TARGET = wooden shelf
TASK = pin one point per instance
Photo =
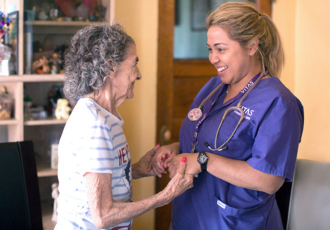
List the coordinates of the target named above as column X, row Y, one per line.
column 45, row 172
column 48, row 121
column 61, row 23
column 43, row 132
column 9, row 122
column 47, row 213
column 33, row 78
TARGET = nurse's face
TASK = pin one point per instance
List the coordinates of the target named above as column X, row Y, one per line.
column 232, row 61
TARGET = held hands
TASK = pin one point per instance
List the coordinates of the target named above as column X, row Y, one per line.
column 140, row 169
column 158, row 161
column 179, row 183
column 193, row 167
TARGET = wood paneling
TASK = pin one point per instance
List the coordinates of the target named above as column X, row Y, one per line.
column 164, row 92
column 193, row 68
column 265, row 6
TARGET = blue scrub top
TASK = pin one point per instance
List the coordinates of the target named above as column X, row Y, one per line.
column 267, row 139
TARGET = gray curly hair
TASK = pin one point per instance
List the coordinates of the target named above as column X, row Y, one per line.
column 86, row 61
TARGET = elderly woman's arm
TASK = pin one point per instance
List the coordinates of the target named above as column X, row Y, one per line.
column 107, row 213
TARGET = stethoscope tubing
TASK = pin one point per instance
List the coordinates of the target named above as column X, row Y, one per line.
column 237, row 107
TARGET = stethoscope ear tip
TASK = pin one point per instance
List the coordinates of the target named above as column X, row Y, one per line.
column 206, row 144
column 218, row 149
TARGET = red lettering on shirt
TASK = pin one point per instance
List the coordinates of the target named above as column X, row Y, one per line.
column 123, row 155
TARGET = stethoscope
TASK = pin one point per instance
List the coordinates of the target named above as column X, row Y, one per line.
column 196, row 113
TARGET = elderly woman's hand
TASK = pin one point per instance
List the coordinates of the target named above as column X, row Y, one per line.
column 179, row 183
column 193, row 167
column 157, row 163
column 140, row 169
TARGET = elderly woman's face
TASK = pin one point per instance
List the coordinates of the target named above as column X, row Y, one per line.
column 126, row 73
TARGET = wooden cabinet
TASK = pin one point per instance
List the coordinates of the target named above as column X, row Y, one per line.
column 46, row 131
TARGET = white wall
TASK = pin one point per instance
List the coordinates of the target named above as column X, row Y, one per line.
column 140, row 20
column 305, row 28
column 313, row 75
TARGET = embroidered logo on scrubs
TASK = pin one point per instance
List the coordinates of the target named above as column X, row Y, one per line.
column 248, row 112
column 247, row 87
column 222, row 205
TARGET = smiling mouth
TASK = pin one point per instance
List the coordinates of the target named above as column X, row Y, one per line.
column 221, row 69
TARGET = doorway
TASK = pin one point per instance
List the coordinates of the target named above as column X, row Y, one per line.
column 179, row 78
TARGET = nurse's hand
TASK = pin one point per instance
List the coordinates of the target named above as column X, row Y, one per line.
column 157, row 162
column 192, row 168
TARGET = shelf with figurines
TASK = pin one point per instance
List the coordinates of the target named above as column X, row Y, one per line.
column 6, row 107
column 38, row 116
column 66, row 10
column 45, row 60
column 66, row 13
column 53, row 109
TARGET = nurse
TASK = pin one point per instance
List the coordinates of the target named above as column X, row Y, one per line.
column 242, row 131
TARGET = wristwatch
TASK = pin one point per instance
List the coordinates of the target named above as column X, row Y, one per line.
column 202, row 160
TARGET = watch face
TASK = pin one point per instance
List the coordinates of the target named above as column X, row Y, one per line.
column 202, row 158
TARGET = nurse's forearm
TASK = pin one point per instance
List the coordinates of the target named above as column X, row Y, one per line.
column 241, row 174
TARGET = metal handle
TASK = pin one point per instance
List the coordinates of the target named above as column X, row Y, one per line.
column 165, row 135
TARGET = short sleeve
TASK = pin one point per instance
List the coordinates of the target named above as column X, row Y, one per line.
column 276, row 143
column 96, row 153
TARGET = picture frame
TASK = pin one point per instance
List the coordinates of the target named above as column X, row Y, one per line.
column 177, row 13
column 199, row 11
column 12, row 38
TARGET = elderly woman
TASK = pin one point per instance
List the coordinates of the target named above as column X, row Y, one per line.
column 95, row 171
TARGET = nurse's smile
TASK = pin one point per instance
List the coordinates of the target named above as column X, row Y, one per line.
column 222, row 70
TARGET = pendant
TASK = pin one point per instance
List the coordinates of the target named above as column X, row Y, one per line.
column 195, row 114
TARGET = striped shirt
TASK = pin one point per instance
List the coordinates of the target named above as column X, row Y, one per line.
column 92, row 141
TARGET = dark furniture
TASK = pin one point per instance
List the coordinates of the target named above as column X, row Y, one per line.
column 20, row 206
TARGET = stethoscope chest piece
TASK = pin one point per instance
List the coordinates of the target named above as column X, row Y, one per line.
column 195, row 114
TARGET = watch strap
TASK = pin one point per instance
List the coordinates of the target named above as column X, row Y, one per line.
column 203, row 167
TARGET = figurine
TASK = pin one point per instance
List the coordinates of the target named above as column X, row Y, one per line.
column 41, row 66
column 55, row 194
column 54, row 69
column 62, row 109
column 56, row 63
column 6, row 103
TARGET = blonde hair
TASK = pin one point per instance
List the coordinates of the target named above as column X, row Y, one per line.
column 243, row 23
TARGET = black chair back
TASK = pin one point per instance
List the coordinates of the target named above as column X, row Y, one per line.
column 283, row 196
column 20, row 206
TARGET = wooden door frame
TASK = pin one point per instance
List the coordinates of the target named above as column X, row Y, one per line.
column 165, row 55
column 164, row 89
column 165, row 78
